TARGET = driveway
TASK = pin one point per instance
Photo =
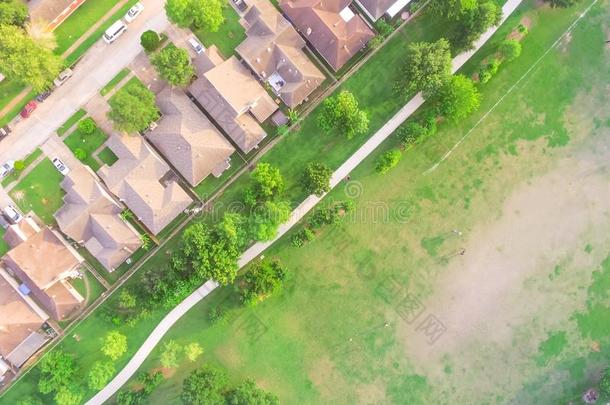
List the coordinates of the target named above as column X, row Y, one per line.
column 99, row 65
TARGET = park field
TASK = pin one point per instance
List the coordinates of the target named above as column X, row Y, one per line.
column 525, row 311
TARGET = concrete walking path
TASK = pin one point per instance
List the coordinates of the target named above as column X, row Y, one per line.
column 299, row 212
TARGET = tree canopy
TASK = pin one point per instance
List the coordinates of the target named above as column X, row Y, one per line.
column 452, row 9
column 56, row 370
column 174, row 65
column 428, row 67
column 101, row 372
column 114, row 344
column 266, row 218
column 316, row 179
column 133, row 108
column 150, row 40
column 458, row 98
column 205, row 386
column 388, row 161
column 203, row 14
column 262, row 280
column 24, row 60
column 248, row 393
column 342, row 114
column 474, row 22
column 268, row 184
column 13, row 12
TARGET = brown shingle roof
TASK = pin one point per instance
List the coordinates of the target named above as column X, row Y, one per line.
column 273, row 46
column 18, row 320
column 144, row 182
column 90, row 216
column 376, row 8
column 188, row 139
column 334, row 38
column 229, row 93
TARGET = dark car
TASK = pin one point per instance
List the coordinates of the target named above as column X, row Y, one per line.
column 29, row 109
column 43, row 96
column 4, row 131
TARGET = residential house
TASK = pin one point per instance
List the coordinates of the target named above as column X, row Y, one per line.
column 274, row 51
column 91, row 217
column 332, row 28
column 187, row 138
column 234, row 99
column 44, row 263
column 144, row 182
column 375, row 9
column 20, row 325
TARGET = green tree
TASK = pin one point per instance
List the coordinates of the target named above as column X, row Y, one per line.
column 268, row 184
column 388, row 161
column 452, row 9
column 428, row 67
column 342, row 113
column 458, row 98
column 169, row 357
column 114, row 344
column 133, row 108
column 80, row 154
column 68, row 396
column 248, row 393
column 127, row 300
column 205, row 386
column 474, row 23
column 19, row 165
column 510, row 49
column 203, row 14
column 262, row 280
column 150, row 40
column 101, row 372
column 192, row 351
column 13, row 12
column 25, row 61
column 316, row 179
column 174, row 65
column 266, row 218
column 604, row 383
column 87, row 126
column 56, row 370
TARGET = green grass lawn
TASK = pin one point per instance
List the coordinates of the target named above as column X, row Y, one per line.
column 39, row 191
column 4, row 247
column 70, row 122
column 9, row 89
column 17, row 108
column 230, row 34
column 107, row 156
column 114, row 81
column 88, row 143
column 26, row 162
column 88, row 286
column 297, row 344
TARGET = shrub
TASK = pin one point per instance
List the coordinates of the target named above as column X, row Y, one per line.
column 604, row 384
column 150, row 40
column 410, row 132
column 19, row 165
column 87, row 126
column 510, row 49
column 488, row 71
column 293, row 116
column 297, row 241
column 283, row 130
column 375, row 42
column 384, row 28
column 387, row 161
column 80, row 154
column 324, row 216
column 303, row 236
column 522, row 29
column 216, row 315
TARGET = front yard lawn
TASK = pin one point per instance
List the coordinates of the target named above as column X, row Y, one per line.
column 230, row 34
column 71, row 121
column 88, row 143
column 9, row 89
column 39, row 191
column 26, row 162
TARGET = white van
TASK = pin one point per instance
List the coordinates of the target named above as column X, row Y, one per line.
column 114, row 31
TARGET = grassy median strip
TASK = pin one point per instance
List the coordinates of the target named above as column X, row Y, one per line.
column 70, row 122
column 115, row 80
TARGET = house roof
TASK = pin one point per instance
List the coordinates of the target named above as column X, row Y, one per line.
column 44, row 258
column 17, row 233
column 18, row 320
column 233, row 98
column 92, row 217
column 376, row 8
column 335, row 32
column 144, row 182
column 273, row 46
column 190, row 142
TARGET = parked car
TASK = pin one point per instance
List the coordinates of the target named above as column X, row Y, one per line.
column 60, row 166
column 4, row 131
column 6, row 168
column 196, row 45
column 12, row 214
column 43, row 96
column 134, row 12
column 29, row 109
column 63, row 76
column 114, row 31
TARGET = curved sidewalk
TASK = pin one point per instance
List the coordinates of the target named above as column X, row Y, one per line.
column 299, row 212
